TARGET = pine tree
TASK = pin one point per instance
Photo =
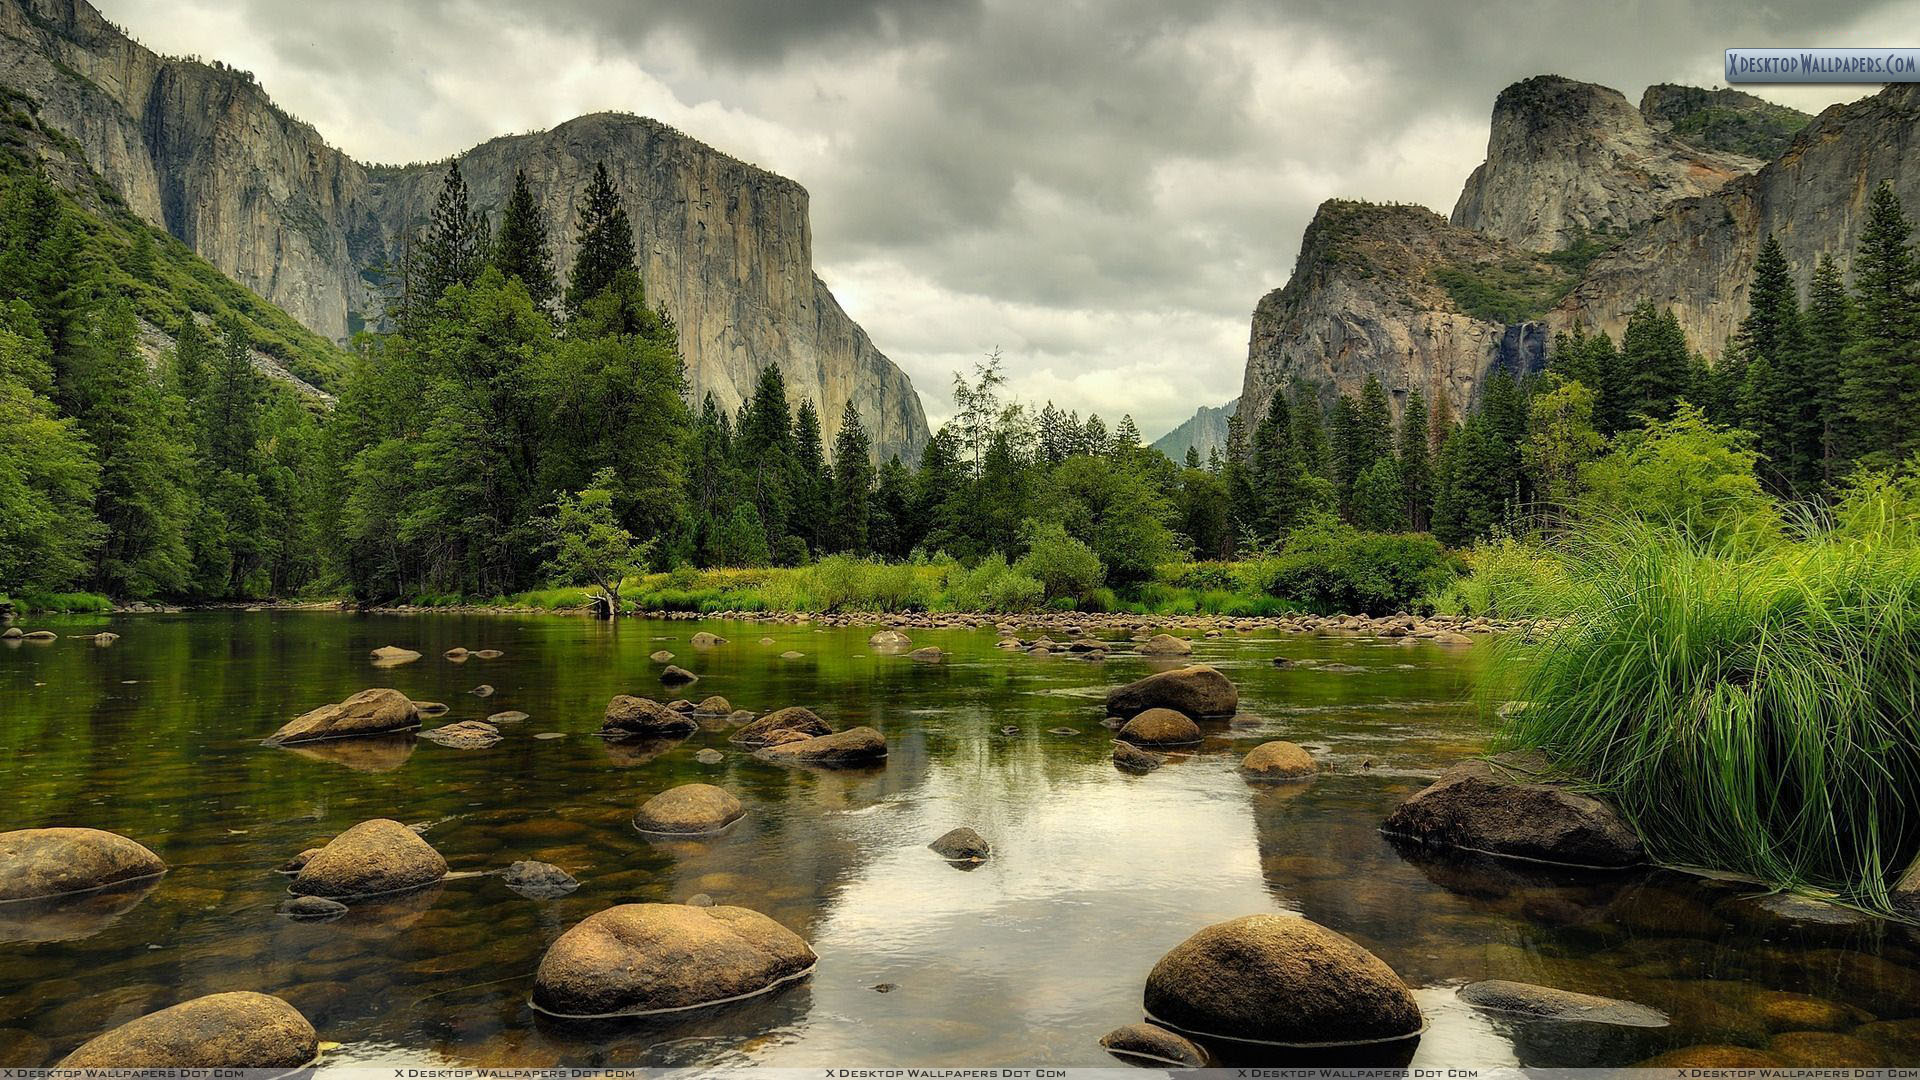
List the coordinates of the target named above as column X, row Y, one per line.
column 1094, row 437
column 1373, row 432
column 1655, row 363
column 450, row 252
column 1773, row 399
column 1828, row 337
column 1881, row 382
column 1126, row 438
column 1379, row 499
column 1276, row 471
column 1416, row 463
column 1309, row 428
column 1243, row 503
column 1192, row 458
column 891, row 511
column 605, row 241
column 47, row 526
column 810, row 482
column 1057, row 440
column 850, row 513
column 520, row 249
column 764, row 452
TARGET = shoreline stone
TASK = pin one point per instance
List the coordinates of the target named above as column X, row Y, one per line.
column 689, row 810
column 1505, row 807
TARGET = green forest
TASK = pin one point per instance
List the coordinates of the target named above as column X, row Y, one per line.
column 515, row 425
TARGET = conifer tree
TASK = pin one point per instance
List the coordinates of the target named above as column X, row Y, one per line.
column 1126, row 438
column 851, row 512
column 810, row 483
column 1309, row 429
column 1276, row 471
column 1192, row 458
column 520, row 248
column 1828, row 337
column 1881, row 382
column 1373, row 433
column 605, row 241
column 1655, row 363
column 891, row 511
column 449, row 253
column 1416, row 463
column 1379, row 499
column 1343, row 454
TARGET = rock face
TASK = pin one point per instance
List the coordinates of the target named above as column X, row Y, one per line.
column 689, row 809
column 1205, row 432
column 36, row 863
column 1280, row 980
column 1198, row 690
column 201, row 150
column 370, row 859
column 1569, row 159
column 638, row 959
column 241, row 1030
column 1505, row 809
column 1364, row 300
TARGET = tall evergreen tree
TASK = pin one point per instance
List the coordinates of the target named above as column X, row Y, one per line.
column 605, row 241
column 450, row 252
column 811, row 484
column 889, row 531
column 1655, row 363
column 851, row 511
column 1276, row 470
column 1309, row 428
column 1416, row 463
column 520, row 248
column 1828, row 338
column 1373, row 431
column 1881, row 382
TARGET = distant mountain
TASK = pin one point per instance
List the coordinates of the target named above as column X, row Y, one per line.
column 200, row 150
column 1724, row 120
column 1205, row 431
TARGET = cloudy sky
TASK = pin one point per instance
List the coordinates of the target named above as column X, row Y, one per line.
column 1101, row 190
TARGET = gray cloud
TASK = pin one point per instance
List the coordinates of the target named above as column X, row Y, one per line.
column 1101, row 188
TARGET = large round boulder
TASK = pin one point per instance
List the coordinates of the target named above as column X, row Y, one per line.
column 1197, row 690
column 38, row 863
column 689, row 808
column 629, row 715
column 705, row 640
column 1506, row 807
column 1278, row 760
column 372, row 858
column 369, row 712
column 889, row 639
column 638, row 959
column 393, row 656
column 1279, row 980
column 241, row 1030
column 854, row 746
column 1161, row 727
column 1166, row 645
column 795, row 718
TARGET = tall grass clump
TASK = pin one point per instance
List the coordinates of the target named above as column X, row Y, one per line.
column 1507, row 578
column 1750, row 707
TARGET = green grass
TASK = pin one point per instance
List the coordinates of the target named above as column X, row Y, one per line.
column 45, row 603
column 1752, row 709
column 1510, row 291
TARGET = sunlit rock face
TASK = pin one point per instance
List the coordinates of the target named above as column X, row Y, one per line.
column 200, row 149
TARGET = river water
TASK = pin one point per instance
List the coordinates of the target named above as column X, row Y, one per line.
column 1027, row 959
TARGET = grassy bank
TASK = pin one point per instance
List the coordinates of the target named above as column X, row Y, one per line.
column 1746, row 697
column 42, row 603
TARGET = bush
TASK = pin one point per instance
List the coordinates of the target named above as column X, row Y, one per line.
column 1750, row 709
column 42, row 603
column 993, row 586
column 1506, row 579
column 1065, row 567
column 1331, row 568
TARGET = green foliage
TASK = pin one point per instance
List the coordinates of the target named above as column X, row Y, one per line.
column 1749, row 708
column 1329, row 567
column 34, row 602
column 1686, row 474
column 604, row 248
column 1512, row 290
column 1065, row 567
column 588, row 543
column 1506, row 579
column 992, row 585
column 1881, row 370
column 1759, row 133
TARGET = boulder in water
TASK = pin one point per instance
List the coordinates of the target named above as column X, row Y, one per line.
column 465, row 735
column 628, row 715
column 962, row 845
column 854, row 746
column 42, row 636
column 483, row 690
column 1506, row 807
column 796, row 718
column 1155, row 1044
column 1279, row 980
column 674, row 675
column 241, row 1030
column 1133, row 759
column 660, row 656
column 509, row 717
column 371, row 859
column 1161, row 727
column 1197, row 690
column 40, row 863
column 538, row 880
column 393, row 656
column 713, row 706
column 313, row 909
column 689, row 809
column 930, row 654
column 1278, row 760
column 889, row 639
column 12, row 633
column 704, row 640
column 1166, row 645
column 641, row 959
column 1547, row 1003
column 369, row 712
column 457, row 654
column 488, row 654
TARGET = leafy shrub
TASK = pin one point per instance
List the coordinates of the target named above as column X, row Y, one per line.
column 1331, row 568
column 1065, row 567
column 993, row 586
column 32, row 602
column 1506, row 579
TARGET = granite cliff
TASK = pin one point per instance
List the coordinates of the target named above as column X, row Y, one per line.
column 1205, row 431
column 201, row 150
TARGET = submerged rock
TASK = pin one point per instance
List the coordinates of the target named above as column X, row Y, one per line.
column 1166, row 645
column 295, row 864
column 1547, row 1003
column 704, row 640
column 709, row 756
column 1279, row 980
column 931, row 654
column 456, row 654
column 40, row 635
column 1133, row 759
column 369, row 712
column 675, row 675
column 1278, row 760
column 241, row 1030
column 372, row 858
column 393, row 656
column 483, row 690
column 508, row 717
column 962, row 845
column 660, row 656
column 465, row 735
column 1150, row 1042
column 431, row 708
column 1712, row 1056
column 489, row 654
column 538, row 880
column 689, row 809
column 713, row 706
column 105, row 637
column 40, row 863
column 12, row 633
column 889, row 639
column 313, row 909
column 1161, row 727
column 854, row 746
column 629, row 715
column 637, row 959
column 1502, row 808
column 792, row 654
column 795, row 718
column 1777, row 915
column 1198, row 690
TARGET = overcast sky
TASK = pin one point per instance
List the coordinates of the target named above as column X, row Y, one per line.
column 1102, row 190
